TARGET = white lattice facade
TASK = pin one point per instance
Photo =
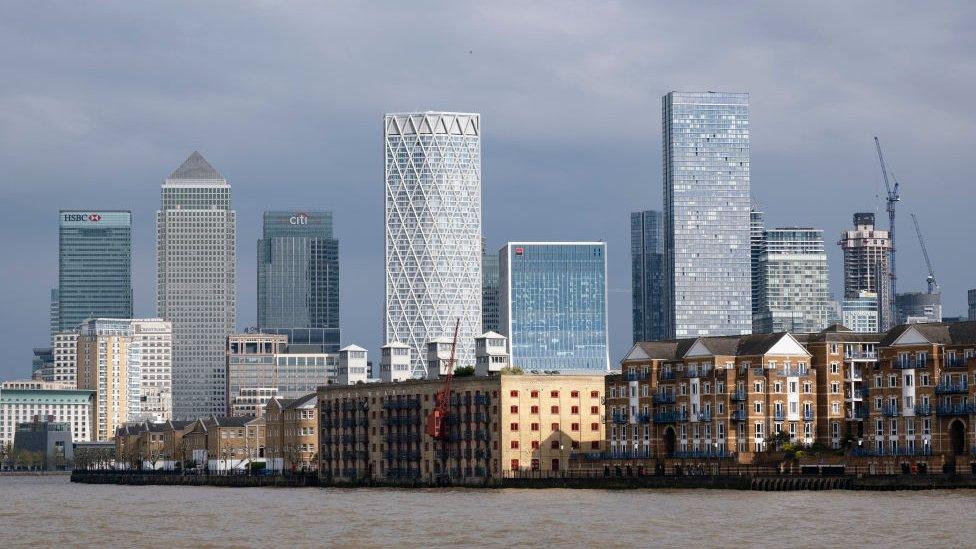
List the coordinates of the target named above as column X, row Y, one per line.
column 433, row 230
column 196, row 263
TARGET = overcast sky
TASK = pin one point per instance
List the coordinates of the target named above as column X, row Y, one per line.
column 99, row 102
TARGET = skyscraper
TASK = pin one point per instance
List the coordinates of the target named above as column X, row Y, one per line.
column 971, row 300
column 866, row 254
column 195, row 288
column 298, row 277
column 433, row 231
column 757, row 243
column 554, row 305
column 647, row 275
column 489, row 290
column 94, row 267
column 795, row 294
column 860, row 313
column 706, row 213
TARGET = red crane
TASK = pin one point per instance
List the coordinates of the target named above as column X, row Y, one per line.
column 435, row 421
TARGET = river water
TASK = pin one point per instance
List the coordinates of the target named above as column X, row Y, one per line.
column 50, row 511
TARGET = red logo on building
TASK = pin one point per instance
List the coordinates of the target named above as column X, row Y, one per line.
column 519, row 251
column 94, row 217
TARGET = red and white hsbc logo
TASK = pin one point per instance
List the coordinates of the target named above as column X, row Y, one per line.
column 519, row 251
column 90, row 217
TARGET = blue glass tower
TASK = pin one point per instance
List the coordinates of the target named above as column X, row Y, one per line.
column 647, row 275
column 554, row 305
column 94, row 266
column 298, row 279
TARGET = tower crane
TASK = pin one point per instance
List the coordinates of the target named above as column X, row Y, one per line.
column 435, row 421
column 892, row 200
column 930, row 279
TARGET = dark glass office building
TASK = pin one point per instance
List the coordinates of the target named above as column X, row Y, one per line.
column 94, row 266
column 554, row 305
column 647, row 274
column 489, row 290
column 298, row 279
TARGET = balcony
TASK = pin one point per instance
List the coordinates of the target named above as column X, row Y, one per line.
column 861, row 355
column 663, row 398
column 739, row 395
column 482, row 400
column 923, row 410
column 614, row 454
column 924, row 450
column 853, row 375
column 670, row 417
column 703, row 454
column 889, row 411
column 955, row 362
column 692, row 374
column 739, row 415
column 620, row 419
column 705, row 416
column 793, row 372
column 665, row 376
column 954, row 409
column 636, row 376
column 951, row 388
column 808, row 415
column 779, row 415
column 908, row 364
column 644, row 418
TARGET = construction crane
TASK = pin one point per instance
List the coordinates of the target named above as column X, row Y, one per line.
column 892, row 200
column 435, row 421
column 930, row 280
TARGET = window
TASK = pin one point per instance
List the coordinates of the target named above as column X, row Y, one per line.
column 758, row 407
column 575, row 427
column 515, row 465
column 554, row 426
column 535, row 444
column 833, row 368
column 594, row 426
column 594, row 409
column 535, row 409
column 554, row 409
column 535, row 426
column 554, row 445
column 574, row 394
column 594, row 394
column 515, row 445
column 535, row 394
column 594, row 445
column 554, row 394
column 574, row 410
column 514, row 427
column 514, row 409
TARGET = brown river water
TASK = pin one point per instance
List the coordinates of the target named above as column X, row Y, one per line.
column 51, row 512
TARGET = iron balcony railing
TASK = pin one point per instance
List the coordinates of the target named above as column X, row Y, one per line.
column 691, row 374
column 923, row 410
column 909, row 364
column 794, row 372
column 705, row 416
column 951, row 388
column 860, row 355
column 954, row 362
column 663, row 397
column 644, row 418
column 954, row 409
column 670, row 417
column 808, row 415
column 738, row 395
column 739, row 415
column 612, row 454
column 923, row 450
column 482, row 400
column 865, row 392
column 636, row 376
column 779, row 415
column 620, row 419
column 664, row 376
column 703, row 454
column 889, row 410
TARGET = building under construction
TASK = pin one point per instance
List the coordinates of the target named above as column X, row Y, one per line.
column 867, row 251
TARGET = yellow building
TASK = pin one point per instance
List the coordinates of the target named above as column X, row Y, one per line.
column 292, row 433
column 103, row 367
column 496, row 426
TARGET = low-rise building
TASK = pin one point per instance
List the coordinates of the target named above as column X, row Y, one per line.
column 495, row 426
column 47, row 440
column 72, row 406
column 292, row 433
column 224, row 443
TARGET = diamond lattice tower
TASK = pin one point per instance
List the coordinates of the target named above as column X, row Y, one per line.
column 433, row 231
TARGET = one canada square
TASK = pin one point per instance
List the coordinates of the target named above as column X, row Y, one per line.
column 433, row 231
column 706, row 218
column 196, row 262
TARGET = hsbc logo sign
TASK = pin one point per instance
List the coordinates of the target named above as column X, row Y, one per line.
column 519, row 251
column 90, row 217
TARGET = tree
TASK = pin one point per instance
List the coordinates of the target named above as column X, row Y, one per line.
column 464, row 371
column 291, row 453
column 5, row 455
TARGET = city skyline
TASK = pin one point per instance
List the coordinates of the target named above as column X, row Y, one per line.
column 536, row 171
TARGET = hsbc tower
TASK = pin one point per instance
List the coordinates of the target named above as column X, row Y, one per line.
column 94, row 266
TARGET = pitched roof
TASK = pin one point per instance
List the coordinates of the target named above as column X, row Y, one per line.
column 301, row 402
column 196, row 167
column 945, row 333
column 232, row 421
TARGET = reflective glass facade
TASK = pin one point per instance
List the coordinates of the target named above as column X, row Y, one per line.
column 706, row 223
column 794, row 295
column 94, row 267
column 647, row 275
column 489, row 292
column 298, row 274
column 433, row 231
column 554, row 305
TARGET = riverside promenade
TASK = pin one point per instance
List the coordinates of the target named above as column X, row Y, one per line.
column 721, row 482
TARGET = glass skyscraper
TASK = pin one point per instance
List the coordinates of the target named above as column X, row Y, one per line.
column 298, row 277
column 94, row 267
column 647, row 275
column 794, row 295
column 196, row 263
column 554, row 305
column 433, row 231
column 757, row 243
column 489, row 290
column 706, row 213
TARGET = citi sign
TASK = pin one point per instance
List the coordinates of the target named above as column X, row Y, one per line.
column 298, row 219
column 91, row 217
